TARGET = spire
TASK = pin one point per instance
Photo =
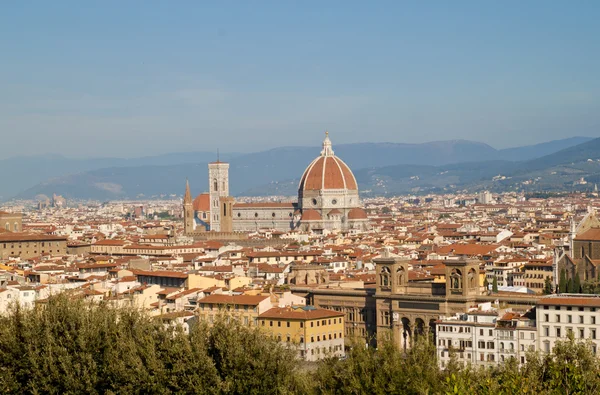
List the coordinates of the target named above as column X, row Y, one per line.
column 187, row 199
column 327, row 150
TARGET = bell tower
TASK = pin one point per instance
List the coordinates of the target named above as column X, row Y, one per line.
column 218, row 179
column 392, row 274
column 188, row 210
column 462, row 278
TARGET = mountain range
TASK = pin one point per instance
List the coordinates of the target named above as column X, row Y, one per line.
column 380, row 168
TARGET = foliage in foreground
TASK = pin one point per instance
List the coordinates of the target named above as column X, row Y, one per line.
column 75, row 347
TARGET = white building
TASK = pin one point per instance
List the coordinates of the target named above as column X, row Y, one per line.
column 483, row 338
column 557, row 315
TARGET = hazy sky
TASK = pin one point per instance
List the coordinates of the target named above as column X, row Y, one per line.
column 126, row 78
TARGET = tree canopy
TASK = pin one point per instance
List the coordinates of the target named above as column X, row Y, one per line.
column 70, row 346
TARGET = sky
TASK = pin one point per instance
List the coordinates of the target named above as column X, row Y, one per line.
column 135, row 78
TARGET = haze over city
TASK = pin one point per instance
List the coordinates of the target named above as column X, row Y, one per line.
column 310, row 198
column 138, row 78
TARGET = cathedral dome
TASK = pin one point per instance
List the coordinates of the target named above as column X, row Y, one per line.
column 327, row 171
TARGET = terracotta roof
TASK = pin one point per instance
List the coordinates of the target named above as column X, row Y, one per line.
column 107, row 242
column 592, row 301
column 160, row 273
column 202, row 202
column 299, row 313
column 327, row 172
column 250, row 300
column 467, row 249
column 30, row 237
column 357, row 213
column 310, row 215
column 591, row 234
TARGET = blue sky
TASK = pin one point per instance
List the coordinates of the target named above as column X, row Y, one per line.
column 130, row 78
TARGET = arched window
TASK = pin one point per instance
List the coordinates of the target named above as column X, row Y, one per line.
column 456, row 279
column 7, row 226
column 215, row 185
column 385, row 277
column 472, row 278
column 400, row 275
column 16, row 227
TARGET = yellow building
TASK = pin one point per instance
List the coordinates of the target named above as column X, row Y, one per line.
column 246, row 308
column 317, row 333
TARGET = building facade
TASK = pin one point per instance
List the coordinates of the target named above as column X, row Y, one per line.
column 316, row 333
column 11, row 222
column 27, row 246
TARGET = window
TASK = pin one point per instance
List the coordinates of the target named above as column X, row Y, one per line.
column 557, row 332
column 302, row 325
column 270, row 323
column 581, row 333
column 558, row 318
column 546, row 318
column 481, row 332
column 581, row 319
column 288, row 324
column 593, row 334
column 593, row 320
column 569, row 318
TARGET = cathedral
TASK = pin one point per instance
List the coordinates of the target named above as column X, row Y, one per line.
column 327, row 201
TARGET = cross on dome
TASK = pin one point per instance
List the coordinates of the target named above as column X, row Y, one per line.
column 327, row 150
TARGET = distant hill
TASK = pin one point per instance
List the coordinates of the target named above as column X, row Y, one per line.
column 538, row 150
column 380, row 168
column 27, row 171
column 559, row 171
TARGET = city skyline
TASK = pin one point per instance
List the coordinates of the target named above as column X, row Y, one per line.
column 141, row 79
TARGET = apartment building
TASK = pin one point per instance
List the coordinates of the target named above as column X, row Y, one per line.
column 246, row 308
column 484, row 338
column 316, row 333
column 559, row 315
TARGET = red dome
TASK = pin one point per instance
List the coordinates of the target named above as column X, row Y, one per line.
column 202, row 202
column 310, row 215
column 357, row 213
column 327, row 172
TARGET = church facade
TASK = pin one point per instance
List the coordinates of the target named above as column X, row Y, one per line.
column 583, row 255
column 327, row 200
